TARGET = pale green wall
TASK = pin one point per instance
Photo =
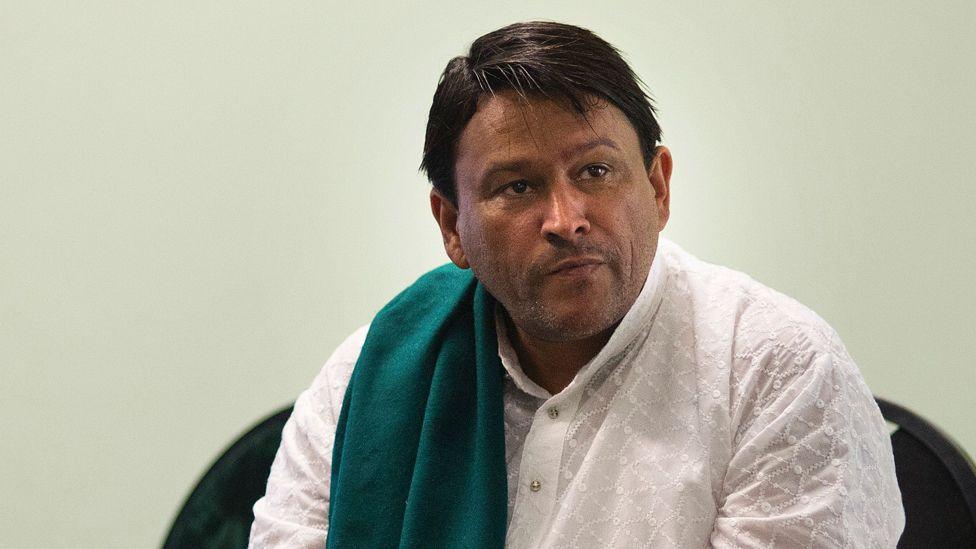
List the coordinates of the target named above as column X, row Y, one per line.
column 199, row 202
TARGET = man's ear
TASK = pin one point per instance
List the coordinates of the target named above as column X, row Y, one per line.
column 446, row 215
column 659, row 175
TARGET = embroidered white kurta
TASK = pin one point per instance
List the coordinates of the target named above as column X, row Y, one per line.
column 719, row 414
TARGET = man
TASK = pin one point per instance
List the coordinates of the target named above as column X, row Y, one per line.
column 591, row 385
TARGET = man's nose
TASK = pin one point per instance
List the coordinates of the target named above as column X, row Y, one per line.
column 565, row 215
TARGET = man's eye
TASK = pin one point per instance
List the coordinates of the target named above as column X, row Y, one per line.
column 596, row 170
column 518, row 187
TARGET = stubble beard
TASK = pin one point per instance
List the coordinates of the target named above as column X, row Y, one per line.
column 538, row 317
column 533, row 315
column 521, row 294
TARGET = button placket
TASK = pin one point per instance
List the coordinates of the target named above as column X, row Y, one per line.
column 539, row 469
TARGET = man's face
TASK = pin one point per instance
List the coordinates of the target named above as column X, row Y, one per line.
column 557, row 215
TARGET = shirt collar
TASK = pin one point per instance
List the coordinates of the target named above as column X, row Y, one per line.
column 638, row 319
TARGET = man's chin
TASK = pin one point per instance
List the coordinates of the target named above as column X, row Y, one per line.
column 572, row 325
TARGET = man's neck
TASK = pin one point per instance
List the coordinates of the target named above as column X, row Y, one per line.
column 552, row 365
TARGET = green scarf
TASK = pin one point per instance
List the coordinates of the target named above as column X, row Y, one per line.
column 419, row 456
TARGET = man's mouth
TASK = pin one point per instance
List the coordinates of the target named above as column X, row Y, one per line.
column 576, row 266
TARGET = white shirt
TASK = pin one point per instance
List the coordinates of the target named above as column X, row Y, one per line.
column 719, row 414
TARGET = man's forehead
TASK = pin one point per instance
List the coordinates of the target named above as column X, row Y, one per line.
column 507, row 125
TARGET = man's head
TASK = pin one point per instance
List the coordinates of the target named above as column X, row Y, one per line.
column 534, row 58
column 547, row 181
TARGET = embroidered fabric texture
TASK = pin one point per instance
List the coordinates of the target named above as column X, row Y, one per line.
column 720, row 414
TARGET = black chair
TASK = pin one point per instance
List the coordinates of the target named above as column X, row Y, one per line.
column 937, row 481
column 218, row 514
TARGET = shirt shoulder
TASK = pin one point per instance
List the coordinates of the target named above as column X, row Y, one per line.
column 758, row 319
column 332, row 380
column 767, row 339
column 293, row 513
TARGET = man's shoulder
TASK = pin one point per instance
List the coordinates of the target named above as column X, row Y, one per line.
column 757, row 317
column 333, row 377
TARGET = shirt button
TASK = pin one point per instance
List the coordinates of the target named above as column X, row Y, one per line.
column 553, row 413
column 535, row 486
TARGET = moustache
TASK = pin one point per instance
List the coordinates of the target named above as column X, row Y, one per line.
column 570, row 254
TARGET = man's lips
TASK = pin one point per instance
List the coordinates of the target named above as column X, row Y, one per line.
column 576, row 264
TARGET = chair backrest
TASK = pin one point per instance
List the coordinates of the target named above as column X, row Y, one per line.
column 218, row 513
column 937, row 481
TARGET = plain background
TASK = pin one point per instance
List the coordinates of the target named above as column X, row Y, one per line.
column 200, row 200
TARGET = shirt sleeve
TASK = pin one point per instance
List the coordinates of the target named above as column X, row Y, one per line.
column 812, row 464
column 294, row 512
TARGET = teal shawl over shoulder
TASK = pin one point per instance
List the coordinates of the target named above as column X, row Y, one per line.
column 419, row 456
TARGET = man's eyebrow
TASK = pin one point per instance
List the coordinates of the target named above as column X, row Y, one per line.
column 518, row 165
column 514, row 166
column 588, row 145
